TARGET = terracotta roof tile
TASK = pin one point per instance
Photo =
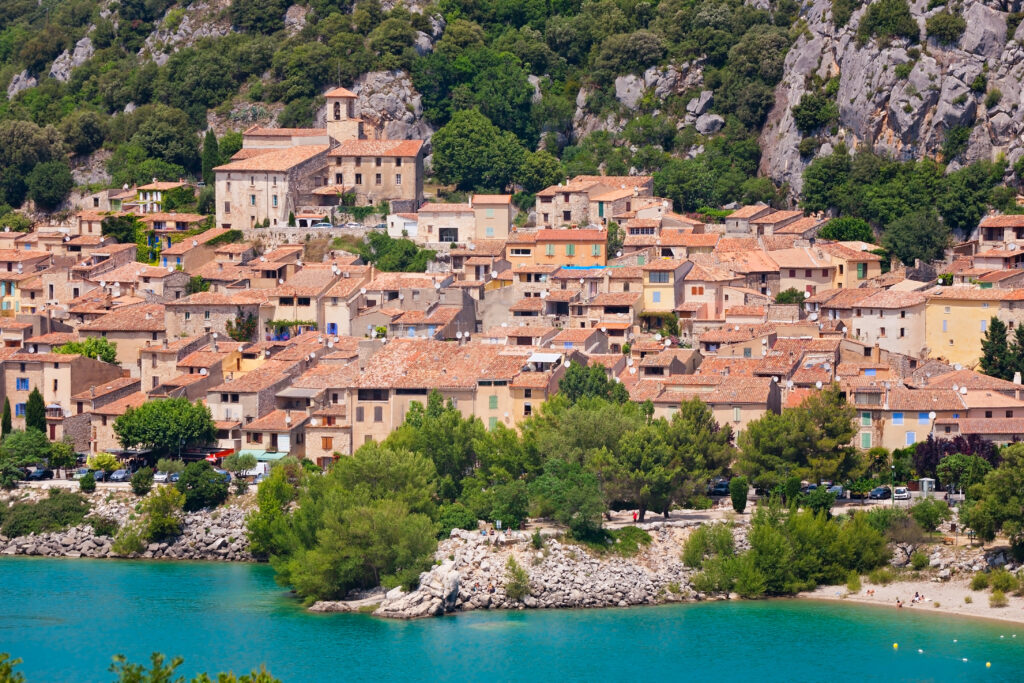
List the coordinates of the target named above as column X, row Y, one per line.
column 140, row 318
column 277, row 160
column 378, row 148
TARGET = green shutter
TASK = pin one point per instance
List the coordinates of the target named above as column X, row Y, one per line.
column 862, row 271
column 550, row 250
column 493, row 402
column 492, row 423
column 865, row 440
column 570, row 250
column 595, row 250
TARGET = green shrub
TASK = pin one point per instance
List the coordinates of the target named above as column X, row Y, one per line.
column 750, row 581
column 59, row 511
column 998, row 599
column 979, row 582
column 968, row 599
column 628, row 540
column 853, row 583
column 919, row 561
column 142, row 481
column 738, row 489
column 202, row 486
column 978, row 85
column 517, row 584
column 887, row 19
column 129, row 540
column 708, row 540
column 945, row 27
column 882, row 576
column 993, row 97
column 903, row 71
column 456, row 516
column 1002, row 580
column 537, row 540
column 955, row 142
column 700, row 503
column 162, row 512
column 814, row 111
column 87, row 483
column 103, row 526
column 808, row 146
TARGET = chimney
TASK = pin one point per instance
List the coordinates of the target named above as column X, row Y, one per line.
column 163, row 343
column 220, row 265
column 876, row 354
column 92, row 391
column 1016, row 378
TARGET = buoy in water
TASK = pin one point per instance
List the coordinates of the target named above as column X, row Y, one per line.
column 988, row 665
column 920, row 651
column 965, row 659
column 895, row 646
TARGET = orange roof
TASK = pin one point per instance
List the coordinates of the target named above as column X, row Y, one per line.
column 139, row 318
column 190, row 243
column 286, row 132
column 378, row 148
column 280, row 160
column 748, row 211
column 340, row 92
column 172, row 216
column 571, row 235
column 162, row 186
column 492, row 199
column 436, row 207
column 1001, row 221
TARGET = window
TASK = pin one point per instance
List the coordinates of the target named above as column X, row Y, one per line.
column 376, row 179
column 286, row 301
column 911, row 438
column 338, row 179
column 359, row 414
column 807, row 272
column 206, row 315
column 903, row 332
column 698, row 289
column 897, row 418
column 865, row 419
column 255, row 437
column 398, row 162
column 19, row 409
column 1009, row 413
column 398, row 179
column 945, row 325
column 656, row 297
column 274, row 200
column 377, row 161
column 746, row 352
column 492, row 423
column 527, row 409
column 658, row 277
column 227, row 207
column 988, row 414
column 327, row 442
column 550, row 250
column 570, row 250
column 378, row 413
column 922, row 418
column 492, row 402
column 736, row 414
column 359, row 161
column 188, row 315
column 303, row 301
column 903, row 314
column 489, row 230
column 865, row 440
column 359, row 178
column 23, row 384
column 862, row 271
column 792, row 272
column 566, row 215
column 984, row 325
column 881, row 332
column 595, row 250
column 252, row 200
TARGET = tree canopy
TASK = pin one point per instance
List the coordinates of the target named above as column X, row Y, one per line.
column 92, row 347
column 165, row 425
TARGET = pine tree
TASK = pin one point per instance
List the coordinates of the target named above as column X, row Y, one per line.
column 35, row 412
column 1017, row 351
column 995, row 351
column 5, row 422
column 211, row 157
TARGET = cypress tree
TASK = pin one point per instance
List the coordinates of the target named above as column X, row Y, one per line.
column 35, row 412
column 995, row 351
column 1017, row 350
column 211, row 157
column 5, row 422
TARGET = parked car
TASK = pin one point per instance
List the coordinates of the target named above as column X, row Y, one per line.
column 807, row 488
column 351, row 225
column 902, row 493
column 175, row 476
column 880, row 493
column 381, row 226
column 838, row 491
column 223, row 473
column 322, row 225
column 121, row 475
column 40, row 473
column 161, row 477
column 99, row 475
column 719, row 488
column 80, row 472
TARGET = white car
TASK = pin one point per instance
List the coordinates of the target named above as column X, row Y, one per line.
column 324, row 225
column 161, row 477
column 901, row 493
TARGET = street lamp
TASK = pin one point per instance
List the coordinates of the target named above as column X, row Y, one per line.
column 893, row 467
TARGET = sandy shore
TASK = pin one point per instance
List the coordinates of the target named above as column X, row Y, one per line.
column 941, row 598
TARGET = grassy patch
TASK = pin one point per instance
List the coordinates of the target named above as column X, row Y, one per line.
column 625, row 542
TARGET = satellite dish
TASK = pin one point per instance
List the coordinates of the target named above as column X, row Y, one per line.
column 458, row 335
column 632, row 371
column 812, row 317
column 170, row 269
column 363, row 290
column 618, row 253
column 241, row 347
column 568, row 363
column 401, row 297
column 504, row 324
column 103, row 283
column 963, row 391
column 958, row 367
column 838, row 378
column 583, row 280
column 657, row 336
column 789, row 384
column 280, row 281
column 956, row 387
column 668, row 342
column 764, row 342
column 931, row 415
column 330, row 345
column 263, row 258
column 544, row 294
column 437, row 285
column 775, row 379
column 203, row 372
column 506, row 416
column 807, row 295
column 313, row 422
column 215, row 335
column 32, row 349
column 195, row 243
column 629, row 362
column 494, row 274
column 266, row 353
column 818, row 384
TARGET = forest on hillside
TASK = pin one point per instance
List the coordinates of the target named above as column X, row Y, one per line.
column 501, row 81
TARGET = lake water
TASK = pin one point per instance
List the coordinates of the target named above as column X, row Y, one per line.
column 65, row 618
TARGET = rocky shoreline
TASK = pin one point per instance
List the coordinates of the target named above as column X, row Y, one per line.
column 471, row 574
column 217, row 535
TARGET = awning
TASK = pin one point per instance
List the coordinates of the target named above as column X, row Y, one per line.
column 544, row 357
column 264, row 456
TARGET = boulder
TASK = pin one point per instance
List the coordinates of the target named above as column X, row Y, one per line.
column 700, row 104
column 19, row 82
column 708, row 124
column 62, row 66
column 628, row 90
column 985, row 35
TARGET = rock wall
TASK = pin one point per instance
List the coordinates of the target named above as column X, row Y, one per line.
column 905, row 117
column 471, row 574
column 206, row 535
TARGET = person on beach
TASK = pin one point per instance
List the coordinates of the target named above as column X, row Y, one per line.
column 634, row 516
column 899, row 605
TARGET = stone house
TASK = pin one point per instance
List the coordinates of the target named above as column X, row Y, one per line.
column 132, row 328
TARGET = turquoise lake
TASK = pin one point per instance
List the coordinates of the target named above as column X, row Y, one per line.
column 65, row 618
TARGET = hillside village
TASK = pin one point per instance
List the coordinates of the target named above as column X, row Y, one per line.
column 312, row 356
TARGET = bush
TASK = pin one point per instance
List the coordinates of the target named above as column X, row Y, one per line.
column 707, row 540
column 455, row 516
column 517, row 585
column 537, row 540
column 738, row 489
column 888, row 19
column 979, row 582
column 945, row 27
column 142, row 481
column 882, row 576
column 853, row 583
column 968, row 599
column 202, row 487
column 1002, row 580
column 103, row 526
column 814, row 111
column 998, row 599
column 162, row 512
column 59, row 511
column 628, row 540
column 129, row 540
column 993, row 97
column 955, row 142
column 919, row 561
column 929, row 513
column 169, row 465
column 87, row 483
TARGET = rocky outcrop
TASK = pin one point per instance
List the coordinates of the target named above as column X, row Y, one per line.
column 206, row 535
column 471, row 574
column 203, row 19
column 295, row 19
column 389, row 103
column 19, row 82
column 62, row 66
column 901, row 98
